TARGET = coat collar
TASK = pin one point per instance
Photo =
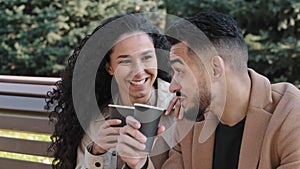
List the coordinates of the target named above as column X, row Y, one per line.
column 204, row 138
column 255, row 127
column 256, row 121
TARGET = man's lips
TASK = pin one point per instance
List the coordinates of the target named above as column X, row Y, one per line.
column 180, row 94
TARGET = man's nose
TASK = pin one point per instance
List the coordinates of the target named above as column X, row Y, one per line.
column 174, row 86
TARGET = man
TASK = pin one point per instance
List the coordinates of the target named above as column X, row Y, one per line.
column 248, row 122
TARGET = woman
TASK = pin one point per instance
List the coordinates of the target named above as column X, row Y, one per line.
column 134, row 66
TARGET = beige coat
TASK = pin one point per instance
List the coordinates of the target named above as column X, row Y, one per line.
column 159, row 98
column 271, row 136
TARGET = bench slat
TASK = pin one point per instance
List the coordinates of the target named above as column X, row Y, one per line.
column 17, row 164
column 24, row 89
column 22, row 103
column 29, row 79
column 22, row 146
column 25, row 123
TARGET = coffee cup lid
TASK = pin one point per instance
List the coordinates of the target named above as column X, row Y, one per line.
column 148, row 106
column 120, row 106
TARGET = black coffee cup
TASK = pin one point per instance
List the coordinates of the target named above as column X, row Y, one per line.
column 149, row 117
column 120, row 112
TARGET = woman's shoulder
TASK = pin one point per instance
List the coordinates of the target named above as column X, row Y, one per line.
column 162, row 83
column 163, row 87
column 163, row 93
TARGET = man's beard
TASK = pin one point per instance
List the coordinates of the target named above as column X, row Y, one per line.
column 195, row 114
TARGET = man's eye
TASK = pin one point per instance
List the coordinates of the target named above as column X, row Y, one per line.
column 176, row 71
column 179, row 71
column 172, row 72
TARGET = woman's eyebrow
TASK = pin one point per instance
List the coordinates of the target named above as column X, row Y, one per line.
column 147, row 52
column 122, row 56
column 140, row 53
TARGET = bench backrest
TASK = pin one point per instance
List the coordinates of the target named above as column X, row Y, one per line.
column 22, row 101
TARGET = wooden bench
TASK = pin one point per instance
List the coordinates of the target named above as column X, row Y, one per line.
column 22, row 101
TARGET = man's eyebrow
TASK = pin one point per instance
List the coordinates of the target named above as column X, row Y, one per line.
column 176, row 61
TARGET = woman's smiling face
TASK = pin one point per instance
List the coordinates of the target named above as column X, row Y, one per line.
column 133, row 64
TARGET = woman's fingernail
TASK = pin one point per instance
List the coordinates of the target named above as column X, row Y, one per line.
column 143, row 139
column 143, row 147
column 137, row 125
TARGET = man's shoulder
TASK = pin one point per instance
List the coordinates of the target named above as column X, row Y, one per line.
column 286, row 89
column 287, row 93
column 286, row 101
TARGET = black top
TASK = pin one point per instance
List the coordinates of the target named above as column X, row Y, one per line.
column 227, row 145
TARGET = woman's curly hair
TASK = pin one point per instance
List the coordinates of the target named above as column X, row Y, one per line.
column 68, row 132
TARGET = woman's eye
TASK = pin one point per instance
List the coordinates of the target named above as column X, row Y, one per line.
column 147, row 57
column 126, row 61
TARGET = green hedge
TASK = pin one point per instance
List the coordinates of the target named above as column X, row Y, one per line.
column 38, row 36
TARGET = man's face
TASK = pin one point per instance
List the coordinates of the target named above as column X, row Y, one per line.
column 190, row 79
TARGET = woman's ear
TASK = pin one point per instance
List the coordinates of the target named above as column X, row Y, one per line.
column 109, row 69
column 218, row 66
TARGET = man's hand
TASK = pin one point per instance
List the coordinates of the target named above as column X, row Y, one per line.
column 178, row 111
column 131, row 143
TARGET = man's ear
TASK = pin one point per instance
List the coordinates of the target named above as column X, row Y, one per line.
column 109, row 69
column 218, row 67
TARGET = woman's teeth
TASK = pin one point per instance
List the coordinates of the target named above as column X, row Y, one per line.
column 138, row 82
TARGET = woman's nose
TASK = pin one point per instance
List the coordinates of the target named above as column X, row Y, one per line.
column 137, row 67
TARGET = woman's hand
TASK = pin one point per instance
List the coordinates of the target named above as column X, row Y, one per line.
column 131, row 143
column 107, row 137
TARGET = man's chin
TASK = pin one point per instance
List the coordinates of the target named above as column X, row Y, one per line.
column 194, row 114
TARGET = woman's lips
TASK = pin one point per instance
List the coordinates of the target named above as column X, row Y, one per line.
column 138, row 82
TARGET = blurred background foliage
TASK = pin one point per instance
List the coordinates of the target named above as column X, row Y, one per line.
column 271, row 29
column 37, row 36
